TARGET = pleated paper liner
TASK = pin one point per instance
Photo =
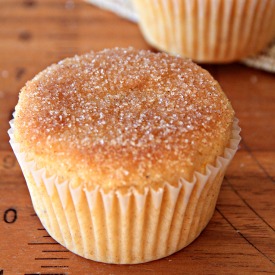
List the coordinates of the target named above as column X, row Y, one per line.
column 207, row 31
column 125, row 227
column 264, row 60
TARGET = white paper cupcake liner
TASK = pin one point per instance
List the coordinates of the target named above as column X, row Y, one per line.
column 207, row 31
column 264, row 60
column 125, row 227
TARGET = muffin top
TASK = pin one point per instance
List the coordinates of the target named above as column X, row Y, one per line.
column 123, row 117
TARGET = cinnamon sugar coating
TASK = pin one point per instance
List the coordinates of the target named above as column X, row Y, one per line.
column 123, row 117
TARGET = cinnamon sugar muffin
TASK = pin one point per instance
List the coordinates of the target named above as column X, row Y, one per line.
column 124, row 152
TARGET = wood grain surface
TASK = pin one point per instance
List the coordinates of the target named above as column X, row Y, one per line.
column 239, row 239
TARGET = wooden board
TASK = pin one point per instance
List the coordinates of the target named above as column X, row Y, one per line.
column 239, row 239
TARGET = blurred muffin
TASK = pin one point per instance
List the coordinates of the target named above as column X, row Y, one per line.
column 124, row 152
column 208, row 30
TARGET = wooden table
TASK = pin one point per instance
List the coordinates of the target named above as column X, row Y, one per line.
column 239, row 239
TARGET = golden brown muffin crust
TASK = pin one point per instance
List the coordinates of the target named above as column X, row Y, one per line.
column 123, row 117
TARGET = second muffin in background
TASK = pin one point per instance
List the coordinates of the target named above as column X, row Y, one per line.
column 208, row 31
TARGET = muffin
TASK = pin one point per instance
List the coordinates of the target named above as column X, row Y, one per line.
column 209, row 30
column 124, row 152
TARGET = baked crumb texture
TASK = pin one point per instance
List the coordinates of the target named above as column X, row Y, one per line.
column 123, row 117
